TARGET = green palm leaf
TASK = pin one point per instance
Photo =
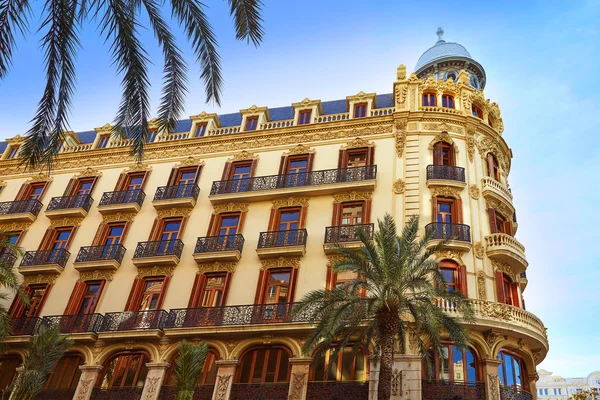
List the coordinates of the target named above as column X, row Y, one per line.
column 188, row 368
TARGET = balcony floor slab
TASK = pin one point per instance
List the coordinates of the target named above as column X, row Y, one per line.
column 284, row 251
column 109, row 209
column 230, row 255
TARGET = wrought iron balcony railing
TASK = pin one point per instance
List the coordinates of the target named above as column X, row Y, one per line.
column 514, row 393
column 76, row 323
column 133, row 320
column 443, row 390
column 45, row 257
column 159, row 248
column 65, row 202
column 201, row 392
column 56, row 394
column 25, row 325
column 271, row 391
column 294, row 180
column 121, row 393
column 20, row 206
column 8, row 259
column 123, row 197
column 296, row 237
column 347, row 233
column 353, row 390
column 447, row 172
column 98, row 253
column 213, row 244
column 177, row 192
column 235, row 315
column 444, row 230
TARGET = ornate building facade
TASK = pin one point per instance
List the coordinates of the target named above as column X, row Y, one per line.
column 232, row 218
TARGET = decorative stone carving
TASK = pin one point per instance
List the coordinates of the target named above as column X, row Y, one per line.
column 291, row 201
column 15, row 226
column 243, row 156
column 500, row 206
column 40, row 278
column 401, row 72
column 399, row 186
column 474, row 192
column 222, row 386
column 396, row 382
column 478, row 250
column 216, row 266
column 352, row 196
column 297, row 385
column 280, row 262
column 471, row 143
column 89, row 171
column 190, row 162
column 154, row 271
column 490, row 145
column 230, row 207
column 441, row 137
column 40, row 177
column 401, row 92
column 85, row 385
column 163, row 345
column 65, row 222
column 494, row 384
column 129, row 344
column 481, row 288
column 496, row 310
column 400, row 137
column 520, row 344
column 332, row 259
column 491, row 337
column 96, row 275
column 138, row 167
column 446, row 191
column 450, row 255
column 504, row 268
column 118, row 217
column 537, row 355
column 299, row 149
column 358, row 143
column 174, row 212
column 98, row 348
column 152, row 384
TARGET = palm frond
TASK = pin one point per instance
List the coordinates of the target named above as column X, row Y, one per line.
column 5, row 323
column 13, row 17
column 248, row 23
column 188, row 367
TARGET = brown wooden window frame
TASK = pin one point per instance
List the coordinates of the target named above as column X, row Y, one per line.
column 20, row 309
column 427, row 97
column 124, row 181
column 79, row 295
column 304, row 117
column 160, row 224
column 263, row 284
column 448, row 101
column 200, row 130
column 476, row 111
column 200, row 285
column 339, row 366
column 493, row 168
column 438, row 154
column 128, row 357
column 216, row 220
column 451, row 372
column 25, row 193
column 499, row 223
column 61, row 368
column 251, row 123
column 338, row 209
column 176, row 174
column 332, row 279
column 346, row 153
column 456, row 209
column 507, row 291
column 360, row 110
column 103, row 141
column 459, row 272
column 13, row 152
column 253, row 352
column 522, row 367
column 8, row 369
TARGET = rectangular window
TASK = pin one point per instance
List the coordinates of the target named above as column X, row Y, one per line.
column 443, row 154
column 214, row 290
column 356, row 158
column 34, row 191
column 37, row 296
column 186, row 176
column 429, row 100
column 151, row 136
column 445, row 211
column 304, row 117
column 251, row 123
column 447, row 101
column 360, row 110
column 296, row 170
column 288, row 219
column 278, row 286
column 351, row 214
column 153, row 292
column 476, row 111
column 450, row 276
column 200, row 130
column 170, row 229
column 13, row 152
column 83, row 187
column 228, row 224
column 103, row 141
column 343, row 277
column 134, row 181
column 90, row 297
column 240, row 170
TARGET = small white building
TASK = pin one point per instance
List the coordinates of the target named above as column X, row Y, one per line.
column 554, row 387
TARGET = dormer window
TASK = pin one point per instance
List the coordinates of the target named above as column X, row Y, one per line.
column 304, row 117
column 477, row 112
column 360, row 110
column 13, row 152
column 200, row 130
column 251, row 123
column 151, row 136
column 103, row 141
column 447, row 101
column 429, row 100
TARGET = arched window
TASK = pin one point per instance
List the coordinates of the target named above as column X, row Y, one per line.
column 493, row 169
column 476, row 111
column 454, row 365
column 454, row 275
column 447, row 101
column 8, row 370
column 209, row 370
column 264, row 365
column 443, row 154
column 511, row 371
column 429, row 99
column 66, row 372
column 347, row 365
column 124, row 370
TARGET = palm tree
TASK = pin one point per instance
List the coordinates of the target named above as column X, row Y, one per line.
column 10, row 281
column 119, row 22
column 47, row 347
column 392, row 298
column 188, row 367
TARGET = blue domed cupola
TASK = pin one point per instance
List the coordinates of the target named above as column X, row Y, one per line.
column 446, row 59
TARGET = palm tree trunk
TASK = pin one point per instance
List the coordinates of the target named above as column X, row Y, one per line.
column 388, row 327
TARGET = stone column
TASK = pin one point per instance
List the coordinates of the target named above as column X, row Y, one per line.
column 154, row 380
column 225, row 374
column 373, row 376
column 299, row 382
column 87, row 381
column 406, row 377
column 490, row 376
column 533, row 378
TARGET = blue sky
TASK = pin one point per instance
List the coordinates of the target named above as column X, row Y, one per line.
column 542, row 64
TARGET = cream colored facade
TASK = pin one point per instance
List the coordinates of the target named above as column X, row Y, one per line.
column 403, row 135
column 555, row 387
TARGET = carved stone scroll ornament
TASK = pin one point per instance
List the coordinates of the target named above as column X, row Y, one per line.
column 190, row 162
column 155, row 271
column 65, row 222
column 174, row 212
column 138, row 167
column 280, row 262
column 291, row 201
column 222, row 386
column 396, row 382
column 243, row 156
column 399, row 186
column 474, row 192
column 479, row 250
column 118, row 217
column 297, row 385
column 400, row 136
column 96, row 275
column 352, row 195
column 40, row 177
column 89, row 171
column 299, row 149
column 446, row 191
column 230, row 207
column 494, row 383
column 358, row 143
column 216, row 266
column 481, row 288
column 40, row 278
column 15, row 226
column 152, row 387
column 84, row 386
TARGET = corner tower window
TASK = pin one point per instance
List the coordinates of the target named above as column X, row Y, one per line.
column 304, row 117
column 447, row 101
column 429, row 100
column 251, row 123
column 360, row 110
column 477, row 112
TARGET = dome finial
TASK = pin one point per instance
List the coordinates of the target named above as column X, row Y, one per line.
column 440, row 33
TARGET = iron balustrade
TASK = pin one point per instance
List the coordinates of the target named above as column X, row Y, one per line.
column 212, row 244
column 66, row 202
column 25, row 325
column 75, row 323
column 20, row 206
column 294, row 237
column 313, row 178
column 347, row 233
column 133, row 320
column 337, row 390
column 446, row 230
column 45, row 257
column 159, row 248
column 237, row 315
column 202, row 392
column 98, row 253
column 514, row 393
column 123, row 197
column 256, row 391
column 443, row 390
column 117, row 393
column 56, row 394
column 448, row 172
column 8, row 259
column 177, row 192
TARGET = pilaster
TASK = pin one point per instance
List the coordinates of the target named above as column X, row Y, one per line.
column 492, row 381
column 299, row 382
column 87, row 380
column 225, row 373
column 406, row 377
column 373, row 376
column 154, row 380
column 533, row 378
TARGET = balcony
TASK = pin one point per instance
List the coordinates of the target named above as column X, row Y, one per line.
column 176, row 196
column 219, row 248
column 25, row 326
column 8, row 259
column 44, row 261
column 309, row 183
column 446, row 175
column 201, row 392
column 135, row 323
column 442, row 390
column 160, row 252
column 121, row 201
column 69, row 206
column 20, row 210
column 492, row 188
column 345, row 236
column 506, row 249
column 271, row 391
column 458, row 236
column 523, row 280
column 514, row 393
column 290, row 243
column 82, row 326
column 107, row 256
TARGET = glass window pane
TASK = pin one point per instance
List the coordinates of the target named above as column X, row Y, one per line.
column 458, row 365
column 510, row 373
column 471, row 367
column 259, row 365
column 444, row 365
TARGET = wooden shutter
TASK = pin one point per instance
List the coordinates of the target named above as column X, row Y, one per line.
column 458, row 210
column 197, row 289
column 18, row 305
column 156, row 229
column 226, row 288
column 462, row 276
column 500, row 287
column 101, row 234
column 23, row 191
column 47, row 239
column 434, row 204
column 137, row 289
column 75, row 299
column 283, row 165
column 370, row 155
column 293, row 278
column 492, row 218
column 121, row 182
column 260, row 288
column 514, row 287
column 226, row 171
column 437, row 153
column 508, row 228
column 342, row 159
column 70, row 187
column 309, row 163
column 163, row 292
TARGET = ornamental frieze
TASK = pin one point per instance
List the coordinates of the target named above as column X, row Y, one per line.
column 138, row 167
column 481, row 286
column 174, row 212
column 55, row 223
column 243, row 156
column 118, row 217
column 446, row 191
column 352, row 195
column 230, row 207
column 40, row 278
column 190, row 162
column 216, row 266
column 505, row 268
column 443, row 136
column 291, row 201
column 280, row 262
column 88, row 172
column 14, row 226
column 358, row 143
column 450, row 255
column 96, row 275
column 299, row 149
column 156, row 270
column 399, row 186
column 39, row 177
